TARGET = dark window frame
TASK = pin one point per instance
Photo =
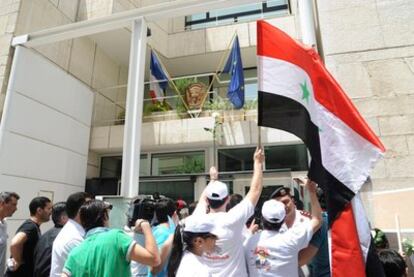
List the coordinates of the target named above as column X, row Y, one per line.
column 265, row 9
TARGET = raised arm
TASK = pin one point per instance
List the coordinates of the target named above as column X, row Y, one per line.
column 202, row 202
column 164, row 254
column 256, row 185
column 148, row 255
column 316, row 210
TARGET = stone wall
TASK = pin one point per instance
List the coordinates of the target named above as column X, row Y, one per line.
column 369, row 48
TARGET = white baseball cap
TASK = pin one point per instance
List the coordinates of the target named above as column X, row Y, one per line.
column 217, row 190
column 198, row 224
column 273, row 211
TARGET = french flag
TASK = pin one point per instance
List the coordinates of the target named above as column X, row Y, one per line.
column 158, row 79
column 297, row 94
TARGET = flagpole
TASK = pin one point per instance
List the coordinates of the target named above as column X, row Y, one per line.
column 397, row 225
column 218, row 67
column 172, row 82
column 259, row 136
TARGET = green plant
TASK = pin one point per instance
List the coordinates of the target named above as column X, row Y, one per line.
column 192, row 165
column 120, row 118
column 250, row 104
column 182, row 85
column 408, row 247
column 217, row 104
column 156, row 107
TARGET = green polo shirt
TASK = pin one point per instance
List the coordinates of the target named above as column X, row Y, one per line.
column 104, row 252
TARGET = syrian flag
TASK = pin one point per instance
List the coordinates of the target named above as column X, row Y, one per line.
column 158, row 79
column 297, row 94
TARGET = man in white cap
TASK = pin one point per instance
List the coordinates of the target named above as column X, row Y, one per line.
column 227, row 259
column 274, row 251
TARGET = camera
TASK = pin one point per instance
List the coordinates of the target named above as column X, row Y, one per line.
column 142, row 208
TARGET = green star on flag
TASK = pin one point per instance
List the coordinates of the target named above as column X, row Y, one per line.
column 305, row 92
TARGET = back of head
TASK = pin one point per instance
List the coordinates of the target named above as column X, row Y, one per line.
column 6, row 196
column 74, row 202
column 184, row 235
column 273, row 215
column 93, row 213
column 394, row 265
column 59, row 214
column 234, row 200
column 217, row 194
column 38, row 202
column 192, row 207
column 164, row 208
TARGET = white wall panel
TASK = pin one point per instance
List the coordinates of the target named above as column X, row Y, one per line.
column 44, row 132
column 43, row 81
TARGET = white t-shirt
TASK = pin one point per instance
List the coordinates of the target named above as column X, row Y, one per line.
column 3, row 245
column 271, row 253
column 227, row 260
column 137, row 269
column 192, row 265
column 69, row 237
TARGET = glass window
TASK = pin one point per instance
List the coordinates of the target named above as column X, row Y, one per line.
column 170, row 188
column 178, row 163
column 240, row 159
column 293, row 157
column 240, row 13
column 112, row 166
column 288, row 157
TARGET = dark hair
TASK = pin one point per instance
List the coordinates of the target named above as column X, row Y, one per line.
column 58, row 210
column 192, row 207
column 74, row 202
column 182, row 241
column 271, row 226
column 140, row 209
column 164, row 208
column 6, row 196
column 394, row 265
column 321, row 197
column 38, row 202
column 234, row 200
column 93, row 214
column 380, row 240
column 215, row 204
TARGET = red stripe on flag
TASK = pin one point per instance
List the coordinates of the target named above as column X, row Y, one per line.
column 153, row 96
column 274, row 43
column 347, row 257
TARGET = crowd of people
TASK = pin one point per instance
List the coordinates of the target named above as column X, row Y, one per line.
column 218, row 235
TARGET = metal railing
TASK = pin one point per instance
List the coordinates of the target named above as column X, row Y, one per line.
column 109, row 108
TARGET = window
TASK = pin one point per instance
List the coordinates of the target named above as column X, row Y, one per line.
column 174, row 189
column 293, row 157
column 280, row 157
column 112, row 166
column 178, row 163
column 242, row 13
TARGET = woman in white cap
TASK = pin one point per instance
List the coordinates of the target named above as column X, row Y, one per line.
column 192, row 239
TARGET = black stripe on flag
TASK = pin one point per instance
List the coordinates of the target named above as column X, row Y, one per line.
column 280, row 112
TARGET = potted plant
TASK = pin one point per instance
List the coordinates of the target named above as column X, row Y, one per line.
column 408, row 248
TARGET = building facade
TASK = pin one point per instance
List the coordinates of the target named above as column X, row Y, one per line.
column 367, row 45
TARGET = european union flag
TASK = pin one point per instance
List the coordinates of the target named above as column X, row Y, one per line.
column 234, row 67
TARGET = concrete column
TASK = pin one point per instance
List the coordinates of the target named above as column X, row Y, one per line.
column 134, row 106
